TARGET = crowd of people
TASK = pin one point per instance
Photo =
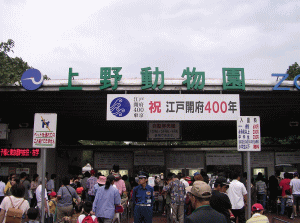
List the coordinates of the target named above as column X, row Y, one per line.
column 93, row 197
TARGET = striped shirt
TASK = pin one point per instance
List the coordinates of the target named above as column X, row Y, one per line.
column 261, row 187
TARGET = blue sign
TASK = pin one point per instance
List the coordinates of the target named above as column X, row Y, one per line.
column 32, row 79
column 120, row 107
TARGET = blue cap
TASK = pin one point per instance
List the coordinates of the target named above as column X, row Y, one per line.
column 142, row 174
column 197, row 173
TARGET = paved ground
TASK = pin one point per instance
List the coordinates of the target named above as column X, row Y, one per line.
column 158, row 218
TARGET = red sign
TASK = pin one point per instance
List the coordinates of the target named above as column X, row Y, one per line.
column 20, row 152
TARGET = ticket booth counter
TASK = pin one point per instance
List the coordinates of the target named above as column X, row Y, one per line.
column 257, row 170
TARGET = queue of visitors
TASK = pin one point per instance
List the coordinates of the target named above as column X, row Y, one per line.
column 96, row 198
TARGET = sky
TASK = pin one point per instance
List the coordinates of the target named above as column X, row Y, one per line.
column 260, row 36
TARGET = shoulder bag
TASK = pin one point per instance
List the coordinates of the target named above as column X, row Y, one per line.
column 73, row 203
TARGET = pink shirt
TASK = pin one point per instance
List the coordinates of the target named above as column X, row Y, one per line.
column 120, row 186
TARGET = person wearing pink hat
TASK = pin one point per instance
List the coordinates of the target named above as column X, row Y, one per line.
column 257, row 214
column 100, row 183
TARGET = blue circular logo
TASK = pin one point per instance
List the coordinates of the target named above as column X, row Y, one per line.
column 120, row 107
column 32, row 79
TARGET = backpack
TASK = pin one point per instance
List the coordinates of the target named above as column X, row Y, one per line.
column 88, row 219
column 14, row 215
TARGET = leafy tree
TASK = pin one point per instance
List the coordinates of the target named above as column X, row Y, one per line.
column 293, row 71
column 11, row 69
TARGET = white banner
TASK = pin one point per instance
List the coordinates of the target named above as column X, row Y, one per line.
column 173, row 107
column 44, row 133
column 248, row 133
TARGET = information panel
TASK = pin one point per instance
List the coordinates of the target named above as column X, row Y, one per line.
column 248, row 133
column 173, row 107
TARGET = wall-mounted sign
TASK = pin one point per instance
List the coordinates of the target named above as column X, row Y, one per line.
column 178, row 160
column 149, row 158
column 44, row 134
column 284, row 76
column 287, row 158
column 3, row 131
column 164, row 131
column 32, row 79
column 248, row 133
column 106, row 160
column 20, row 152
column 223, row 159
column 21, row 170
column 173, row 107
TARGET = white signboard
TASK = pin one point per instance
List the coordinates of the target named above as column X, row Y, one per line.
column 151, row 181
column 287, row 158
column 223, row 159
column 164, row 131
column 3, row 131
column 173, row 107
column 248, row 133
column 44, row 133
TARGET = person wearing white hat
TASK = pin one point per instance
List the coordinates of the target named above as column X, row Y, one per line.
column 200, row 198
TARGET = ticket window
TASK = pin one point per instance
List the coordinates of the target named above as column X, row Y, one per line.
column 192, row 171
column 262, row 170
column 123, row 172
column 104, row 172
column 175, row 171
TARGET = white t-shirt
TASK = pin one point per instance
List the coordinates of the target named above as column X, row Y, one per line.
column 295, row 183
column 82, row 216
column 2, row 186
column 236, row 192
column 38, row 193
column 186, row 184
column 6, row 204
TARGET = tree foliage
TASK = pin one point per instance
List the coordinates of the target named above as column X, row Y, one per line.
column 293, row 71
column 11, row 69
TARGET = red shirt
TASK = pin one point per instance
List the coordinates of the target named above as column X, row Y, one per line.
column 285, row 184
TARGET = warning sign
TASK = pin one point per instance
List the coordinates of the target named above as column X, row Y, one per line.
column 44, row 134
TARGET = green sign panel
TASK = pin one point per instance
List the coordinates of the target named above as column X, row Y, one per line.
column 233, row 78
